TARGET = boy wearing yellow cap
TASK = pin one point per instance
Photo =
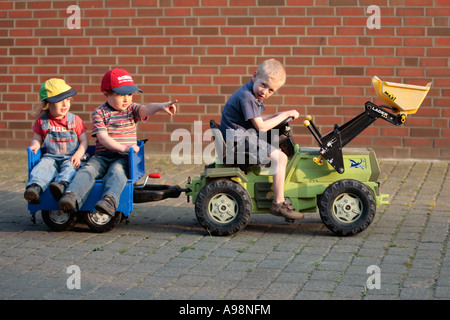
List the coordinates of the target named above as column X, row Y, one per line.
column 63, row 134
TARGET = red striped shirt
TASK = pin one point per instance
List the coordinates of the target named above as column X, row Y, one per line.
column 120, row 125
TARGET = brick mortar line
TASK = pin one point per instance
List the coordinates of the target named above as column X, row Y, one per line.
column 195, row 290
column 246, row 275
column 35, row 283
column 225, row 293
column 100, row 285
column 400, row 286
column 158, row 293
column 444, row 178
column 441, row 259
column 152, row 272
column 444, row 243
column 280, row 270
column 335, row 283
column 78, row 258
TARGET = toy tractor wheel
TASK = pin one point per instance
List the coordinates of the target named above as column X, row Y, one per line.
column 59, row 220
column 102, row 222
column 347, row 207
column 223, row 207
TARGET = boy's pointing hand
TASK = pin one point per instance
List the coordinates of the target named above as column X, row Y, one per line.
column 170, row 107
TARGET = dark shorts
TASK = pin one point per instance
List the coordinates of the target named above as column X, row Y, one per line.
column 250, row 149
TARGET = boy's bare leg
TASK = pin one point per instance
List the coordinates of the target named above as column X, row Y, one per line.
column 279, row 206
column 279, row 176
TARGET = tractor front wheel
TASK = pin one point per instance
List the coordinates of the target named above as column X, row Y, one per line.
column 347, row 207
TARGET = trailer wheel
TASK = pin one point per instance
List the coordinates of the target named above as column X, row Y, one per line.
column 58, row 220
column 347, row 207
column 223, row 207
column 102, row 222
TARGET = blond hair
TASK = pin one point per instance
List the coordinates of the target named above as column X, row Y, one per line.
column 272, row 69
column 40, row 109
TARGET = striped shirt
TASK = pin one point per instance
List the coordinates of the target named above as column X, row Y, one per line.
column 120, row 125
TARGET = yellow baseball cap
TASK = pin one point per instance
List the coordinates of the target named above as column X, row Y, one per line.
column 55, row 90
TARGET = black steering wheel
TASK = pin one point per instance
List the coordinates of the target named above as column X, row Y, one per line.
column 284, row 127
column 283, row 123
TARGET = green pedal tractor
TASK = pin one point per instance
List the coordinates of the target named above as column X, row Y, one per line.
column 342, row 183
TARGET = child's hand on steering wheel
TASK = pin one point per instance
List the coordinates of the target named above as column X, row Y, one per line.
column 294, row 114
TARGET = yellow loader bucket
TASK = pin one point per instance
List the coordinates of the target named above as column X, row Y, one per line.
column 404, row 98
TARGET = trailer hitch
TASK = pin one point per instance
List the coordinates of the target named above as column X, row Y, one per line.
column 156, row 192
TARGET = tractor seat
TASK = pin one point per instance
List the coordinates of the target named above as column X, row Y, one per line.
column 219, row 142
column 222, row 149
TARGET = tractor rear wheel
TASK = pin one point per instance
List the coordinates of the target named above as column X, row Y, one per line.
column 223, row 207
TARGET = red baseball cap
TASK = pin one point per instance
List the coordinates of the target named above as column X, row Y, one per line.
column 120, row 81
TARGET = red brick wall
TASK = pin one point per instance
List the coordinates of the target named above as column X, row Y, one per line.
column 201, row 51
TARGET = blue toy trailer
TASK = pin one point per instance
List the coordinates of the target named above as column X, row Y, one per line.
column 98, row 222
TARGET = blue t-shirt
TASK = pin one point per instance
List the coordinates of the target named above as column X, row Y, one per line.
column 240, row 108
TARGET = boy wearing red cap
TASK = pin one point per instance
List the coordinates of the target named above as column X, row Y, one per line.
column 114, row 126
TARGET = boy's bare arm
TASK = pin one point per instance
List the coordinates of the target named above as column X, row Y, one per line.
column 269, row 116
column 267, row 123
column 111, row 144
column 152, row 108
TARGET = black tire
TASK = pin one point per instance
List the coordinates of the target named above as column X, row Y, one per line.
column 102, row 222
column 59, row 220
column 347, row 207
column 223, row 207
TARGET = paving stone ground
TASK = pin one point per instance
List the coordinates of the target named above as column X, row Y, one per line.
column 163, row 253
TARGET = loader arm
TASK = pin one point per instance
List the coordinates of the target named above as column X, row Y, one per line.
column 331, row 144
column 401, row 99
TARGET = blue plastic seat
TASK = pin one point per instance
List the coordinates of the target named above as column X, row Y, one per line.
column 136, row 169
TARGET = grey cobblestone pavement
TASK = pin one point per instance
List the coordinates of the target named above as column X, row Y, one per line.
column 163, row 253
